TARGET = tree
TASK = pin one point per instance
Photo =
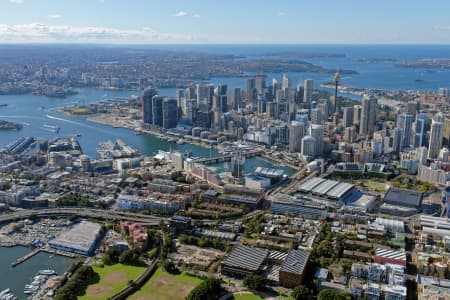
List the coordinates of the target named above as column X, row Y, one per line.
column 129, row 257
column 333, row 295
column 209, row 289
column 254, row 282
column 300, row 292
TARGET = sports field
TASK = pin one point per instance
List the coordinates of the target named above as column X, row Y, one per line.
column 112, row 280
column 165, row 286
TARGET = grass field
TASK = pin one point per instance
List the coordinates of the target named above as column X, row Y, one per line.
column 112, row 279
column 375, row 186
column 165, row 286
column 246, row 297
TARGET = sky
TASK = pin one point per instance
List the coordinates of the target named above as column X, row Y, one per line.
column 225, row 22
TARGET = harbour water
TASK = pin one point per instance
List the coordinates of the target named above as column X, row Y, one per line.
column 16, row 278
column 34, row 112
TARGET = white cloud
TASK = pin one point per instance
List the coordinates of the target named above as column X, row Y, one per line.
column 41, row 33
column 181, row 14
column 54, row 16
column 196, row 16
column 281, row 14
column 442, row 28
column 16, row 1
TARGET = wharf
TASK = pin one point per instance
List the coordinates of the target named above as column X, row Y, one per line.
column 38, row 250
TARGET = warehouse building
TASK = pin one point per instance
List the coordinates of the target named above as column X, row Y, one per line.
column 293, row 268
column 401, row 202
column 328, row 189
column 81, row 238
column 403, row 197
column 244, row 260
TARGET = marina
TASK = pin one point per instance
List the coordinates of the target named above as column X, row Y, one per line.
column 22, row 274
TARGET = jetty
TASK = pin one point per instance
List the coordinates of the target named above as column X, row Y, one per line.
column 38, row 250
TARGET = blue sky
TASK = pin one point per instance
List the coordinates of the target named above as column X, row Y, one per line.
column 226, row 21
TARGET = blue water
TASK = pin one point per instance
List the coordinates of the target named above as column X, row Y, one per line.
column 371, row 75
column 36, row 111
column 27, row 109
column 16, row 278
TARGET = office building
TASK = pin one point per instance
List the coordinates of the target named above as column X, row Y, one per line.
column 285, row 82
column 157, row 110
column 308, row 90
column 296, row 133
column 348, row 116
column 435, row 144
column 170, row 113
column 357, row 109
column 317, row 131
column 420, row 130
column 316, row 116
column 368, row 116
column 147, row 107
column 404, row 122
column 251, row 90
column 236, row 98
column 260, row 83
column 308, row 148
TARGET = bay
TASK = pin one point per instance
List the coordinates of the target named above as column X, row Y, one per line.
column 16, row 278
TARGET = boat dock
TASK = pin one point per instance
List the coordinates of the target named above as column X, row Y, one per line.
column 38, row 250
column 25, row 258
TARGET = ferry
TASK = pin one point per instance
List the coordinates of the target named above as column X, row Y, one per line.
column 52, row 128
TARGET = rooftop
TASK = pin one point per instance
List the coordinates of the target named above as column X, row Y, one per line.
column 81, row 236
column 295, row 262
column 403, row 197
column 245, row 257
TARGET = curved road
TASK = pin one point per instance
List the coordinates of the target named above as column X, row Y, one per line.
column 83, row 212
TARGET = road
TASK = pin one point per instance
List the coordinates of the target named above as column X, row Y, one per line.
column 83, row 212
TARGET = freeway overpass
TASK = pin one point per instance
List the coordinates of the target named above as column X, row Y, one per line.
column 83, row 212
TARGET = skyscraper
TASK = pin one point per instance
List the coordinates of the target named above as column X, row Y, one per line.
column 368, row 115
column 286, row 83
column 308, row 90
column 404, row 122
column 147, row 114
column 296, row 133
column 170, row 113
column 357, row 114
column 157, row 110
column 420, row 130
column 235, row 98
column 316, row 131
column 309, row 147
column 260, row 83
column 348, row 116
column 251, row 90
column 397, row 138
column 436, row 133
column 316, row 116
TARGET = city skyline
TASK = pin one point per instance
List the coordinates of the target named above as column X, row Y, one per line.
column 230, row 22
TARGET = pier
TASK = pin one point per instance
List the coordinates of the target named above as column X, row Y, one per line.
column 38, row 250
column 25, row 258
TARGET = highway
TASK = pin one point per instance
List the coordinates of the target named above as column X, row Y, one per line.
column 83, row 212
